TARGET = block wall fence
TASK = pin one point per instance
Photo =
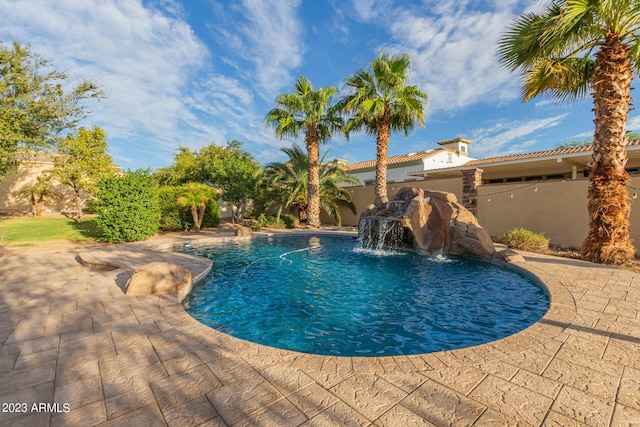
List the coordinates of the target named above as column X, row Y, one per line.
column 554, row 207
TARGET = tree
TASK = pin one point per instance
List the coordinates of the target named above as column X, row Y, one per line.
column 127, row 206
column 34, row 107
column 37, row 192
column 309, row 111
column 574, row 143
column 380, row 101
column 232, row 170
column 288, row 185
column 569, row 50
column 229, row 168
column 182, row 170
column 196, row 196
column 80, row 162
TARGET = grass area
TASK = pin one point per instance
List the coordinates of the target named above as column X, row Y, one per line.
column 26, row 231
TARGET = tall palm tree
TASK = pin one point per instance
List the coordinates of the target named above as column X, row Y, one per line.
column 307, row 110
column 380, row 102
column 569, row 50
column 288, row 184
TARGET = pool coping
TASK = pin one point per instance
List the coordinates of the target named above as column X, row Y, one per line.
column 575, row 366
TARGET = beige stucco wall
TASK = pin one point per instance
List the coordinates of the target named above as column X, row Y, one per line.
column 11, row 201
column 559, row 209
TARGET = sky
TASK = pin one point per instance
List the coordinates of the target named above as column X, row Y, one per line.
column 192, row 72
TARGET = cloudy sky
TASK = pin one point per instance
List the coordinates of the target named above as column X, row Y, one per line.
column 191, row 72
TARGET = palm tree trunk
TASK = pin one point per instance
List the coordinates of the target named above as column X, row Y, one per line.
column 313, row 191
column 201, row 210
column 608, row 240
column 194, row 215
column 382, row 146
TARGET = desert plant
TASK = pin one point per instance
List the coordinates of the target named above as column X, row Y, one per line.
column 526, row 240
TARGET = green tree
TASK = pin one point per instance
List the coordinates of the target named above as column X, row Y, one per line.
column 229, row 168
column 196, row 196
column 127, row 206
column 34, row 106
column 81, row 161
column 232, row 170
column 569, row 50
column 574, row 143
column 288, row 185
column 307, row 111
column 380, row 101
column 182, row 170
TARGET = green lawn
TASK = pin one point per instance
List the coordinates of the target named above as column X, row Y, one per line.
column 25, row 231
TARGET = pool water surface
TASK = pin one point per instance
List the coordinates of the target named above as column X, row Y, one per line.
column 323, row 295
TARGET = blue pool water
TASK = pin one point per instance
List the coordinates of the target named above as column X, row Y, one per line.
column 322, row 295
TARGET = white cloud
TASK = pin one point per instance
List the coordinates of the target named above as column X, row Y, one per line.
column 510, row 137
column 143, row 58
column 452, row 44
column 633, row 124
column 267, row 34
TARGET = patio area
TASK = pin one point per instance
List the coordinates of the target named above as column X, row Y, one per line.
column 72, row 339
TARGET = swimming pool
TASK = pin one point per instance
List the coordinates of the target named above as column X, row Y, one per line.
column 321, row 294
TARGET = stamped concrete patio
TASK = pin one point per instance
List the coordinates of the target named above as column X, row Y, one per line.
column 69, row 335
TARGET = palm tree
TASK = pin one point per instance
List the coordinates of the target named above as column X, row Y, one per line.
column 307, row 110
column 568, row 50
column 196, row 196
column 288, row 184
column 381, row 102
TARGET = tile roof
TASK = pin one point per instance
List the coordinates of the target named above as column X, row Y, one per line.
column 401, row 158
column 541, row 154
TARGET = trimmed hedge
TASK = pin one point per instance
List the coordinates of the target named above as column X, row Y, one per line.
column 127, row 207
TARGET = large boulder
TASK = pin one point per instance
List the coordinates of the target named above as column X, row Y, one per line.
column 434, row 222
column 158, row 278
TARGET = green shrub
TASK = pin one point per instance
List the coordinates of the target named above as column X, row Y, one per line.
column 211, row 214
column 127, row 207
column 177, row 218
column 172, row 216
column 291, row 221
column 271, row 222
column 526, row 240
column 252, row 223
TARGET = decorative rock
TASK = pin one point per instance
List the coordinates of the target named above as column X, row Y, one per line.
column 243, row 232
column 158, row 278
column 436, row 222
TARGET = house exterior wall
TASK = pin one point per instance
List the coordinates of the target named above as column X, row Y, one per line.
column 558, row 208
column 394, row 174
column 12, row 202
column 398, row 172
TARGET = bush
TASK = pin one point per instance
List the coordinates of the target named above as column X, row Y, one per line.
column 211, row 214
column 526, row 240
column 291, row 221
column 127, row 207
column 172, row 217
column 176, row 218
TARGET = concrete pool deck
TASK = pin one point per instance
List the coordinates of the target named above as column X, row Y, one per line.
column 73, row 344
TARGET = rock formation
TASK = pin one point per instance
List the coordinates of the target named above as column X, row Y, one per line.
column 429, row 221
column 158, row 278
